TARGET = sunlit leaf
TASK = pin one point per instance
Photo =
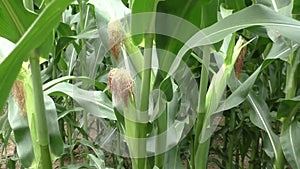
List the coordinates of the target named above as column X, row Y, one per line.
column 148, row 21
column 32, row 38
column 14, row 20
column 260, row 16
column 94, row 102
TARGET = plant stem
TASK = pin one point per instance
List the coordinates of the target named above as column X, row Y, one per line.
column 224, row 149
column 291, row 88
column 145, row 90
column 137, row 131
column 84, row 9
column 202, row 155
column 135, row 55
column 41, row 120
column 69, row 129
column 231, row 139
column 161, row 141
column 237, row 158
column 254, row 144
column 201, row 105
column 83, row 55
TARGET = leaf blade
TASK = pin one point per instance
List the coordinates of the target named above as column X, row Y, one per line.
column 37, row 32
column 291, row 144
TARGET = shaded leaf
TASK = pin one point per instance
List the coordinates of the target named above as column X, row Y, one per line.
column 291, row 144
column 87, row 143
column 20, row 126
column 236, row 5
column 173, row 160
column 260, row 116
column 56, row 142
column 96, row 162
column 167, row 87
column 288, row 106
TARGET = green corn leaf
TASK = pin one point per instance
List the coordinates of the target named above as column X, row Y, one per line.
column 291, row 144
column 142, row 6
column 32, row 38
column 217, row 88
column 66, row 78
column 21, row 130
column 96, row 162
column 14, row 20
column 173, row 160
column 241, row 92
column 280, row 50
column 260, row 116
column 288, row 106
column 260, row 16
column 94, row 102
column 235, row 4
column 174, row 29
column 55, row 139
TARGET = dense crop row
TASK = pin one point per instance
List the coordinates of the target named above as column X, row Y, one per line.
column 149, row 84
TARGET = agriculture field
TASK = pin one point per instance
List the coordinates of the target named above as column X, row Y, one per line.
column 150, row 84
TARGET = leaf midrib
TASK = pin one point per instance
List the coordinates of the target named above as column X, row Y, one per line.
column 14, row 17
column 264, row 124
column 292, row 145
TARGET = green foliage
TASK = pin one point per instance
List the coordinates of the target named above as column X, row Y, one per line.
column 33, row 37
column 15, row 20
column 93, row 102
column 187, row 109
column 290, row 144
column 148, row 21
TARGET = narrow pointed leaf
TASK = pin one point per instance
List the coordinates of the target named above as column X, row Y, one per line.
column 260, row 116
column 240, row 90
column 260, row 16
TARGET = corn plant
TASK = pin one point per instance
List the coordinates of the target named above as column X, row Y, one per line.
column 150, row 84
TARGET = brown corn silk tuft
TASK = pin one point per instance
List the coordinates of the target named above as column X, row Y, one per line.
column 116, row 36
column 240, row 62
column 121, row 85
column 19, row 94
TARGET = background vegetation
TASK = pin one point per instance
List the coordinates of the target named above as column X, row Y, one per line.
column 121, row 84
